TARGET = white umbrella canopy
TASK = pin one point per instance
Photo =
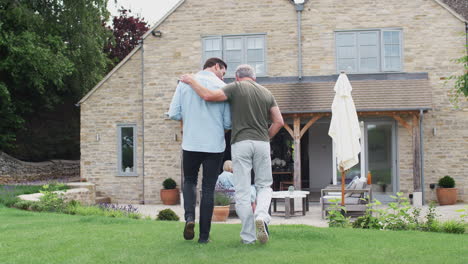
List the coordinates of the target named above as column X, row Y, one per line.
column 344, row 128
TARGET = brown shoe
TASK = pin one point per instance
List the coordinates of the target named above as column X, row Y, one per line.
column 189, row 232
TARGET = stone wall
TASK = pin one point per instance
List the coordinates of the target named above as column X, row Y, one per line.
column 16, row 171
column 179, row 50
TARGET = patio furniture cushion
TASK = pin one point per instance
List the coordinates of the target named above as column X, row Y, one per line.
column 350, row 200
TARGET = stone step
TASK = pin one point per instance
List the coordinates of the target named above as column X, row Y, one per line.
column 102, row 199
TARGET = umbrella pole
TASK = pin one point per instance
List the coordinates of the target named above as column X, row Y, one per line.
column 342, row 187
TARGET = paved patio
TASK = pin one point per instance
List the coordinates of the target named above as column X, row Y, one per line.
column 313, row 216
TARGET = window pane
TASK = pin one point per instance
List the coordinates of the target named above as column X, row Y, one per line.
column 369, row 65
column 232, row 66
column 392, row 63
column 395, row 37
column 395, row 50
column 346, row 52
column 127, row 143
column 369, row 51
column 348, row 65
column 387, row 37
column 233, row 56
column 368, row 38
column 255, row 43
column 254, row 55
column 344, row 39
column 233, row 44
column 392, row 50
column 259, row 67
column 212, row 44
column 211, row 54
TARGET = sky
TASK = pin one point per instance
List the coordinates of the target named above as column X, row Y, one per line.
column 150, row 10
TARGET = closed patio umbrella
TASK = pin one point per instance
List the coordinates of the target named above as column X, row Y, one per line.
column 344, row 129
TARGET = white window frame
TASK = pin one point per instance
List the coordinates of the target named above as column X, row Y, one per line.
column 120, row 171
column 244, row 58
column 381, row 45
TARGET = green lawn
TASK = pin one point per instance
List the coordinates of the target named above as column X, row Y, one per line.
column 29, row 237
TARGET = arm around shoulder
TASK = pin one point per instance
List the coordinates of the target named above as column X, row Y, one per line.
column 205, row 93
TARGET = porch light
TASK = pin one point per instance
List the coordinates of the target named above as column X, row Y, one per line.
column 156, row 33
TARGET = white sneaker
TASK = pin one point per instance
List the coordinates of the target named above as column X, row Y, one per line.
column 262, row 230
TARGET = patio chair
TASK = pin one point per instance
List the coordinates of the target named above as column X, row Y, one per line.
column 357, row 195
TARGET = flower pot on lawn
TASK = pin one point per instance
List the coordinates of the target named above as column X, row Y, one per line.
column 447, row 196
column 221, row 208
column 446, row 193
column 170, row 194
column 220, row 213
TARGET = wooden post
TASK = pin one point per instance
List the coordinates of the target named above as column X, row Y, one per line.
column 343, row 173
column 416, row 154
column 297, row 153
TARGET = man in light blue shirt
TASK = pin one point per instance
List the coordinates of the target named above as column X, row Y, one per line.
column 202, row 143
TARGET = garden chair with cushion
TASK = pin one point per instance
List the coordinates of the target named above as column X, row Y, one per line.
column 357, row 196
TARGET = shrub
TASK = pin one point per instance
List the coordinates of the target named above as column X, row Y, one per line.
column 52, row 187
column 336, row 215
column 446, row 182
column 51, row 202
column 367, row 221
column 167, row 215
column 433, row 226
column 453, row 227
column 221, row 199
column 23, row 205
column 169, row 183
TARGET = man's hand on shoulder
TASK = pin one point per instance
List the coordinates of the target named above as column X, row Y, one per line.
column 203, row 92
column 187, row 78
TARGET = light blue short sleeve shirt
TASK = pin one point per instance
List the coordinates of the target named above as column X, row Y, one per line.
column 204, row 122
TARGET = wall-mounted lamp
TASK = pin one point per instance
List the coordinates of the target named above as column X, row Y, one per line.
column 98, row 137
column 156, row 33
column 434, row 131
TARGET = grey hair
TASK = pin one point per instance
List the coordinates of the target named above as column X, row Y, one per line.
column 227, row 166
column 245, row 70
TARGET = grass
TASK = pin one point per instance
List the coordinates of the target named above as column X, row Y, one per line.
column 8, row 193
column 29, row 237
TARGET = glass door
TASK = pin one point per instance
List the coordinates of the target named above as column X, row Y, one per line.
column 380, row 157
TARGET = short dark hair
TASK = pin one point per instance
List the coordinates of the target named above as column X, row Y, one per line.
column 213, row 61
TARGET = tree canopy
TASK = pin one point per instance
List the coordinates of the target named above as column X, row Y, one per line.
column 127, row 31
column 51, row 53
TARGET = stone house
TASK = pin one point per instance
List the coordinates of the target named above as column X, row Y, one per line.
column 397, row 56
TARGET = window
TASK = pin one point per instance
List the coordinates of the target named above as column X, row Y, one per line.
column 126, row 150
column 237, row 50
column 369, row 51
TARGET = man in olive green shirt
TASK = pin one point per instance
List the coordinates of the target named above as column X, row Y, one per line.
column 252, row 107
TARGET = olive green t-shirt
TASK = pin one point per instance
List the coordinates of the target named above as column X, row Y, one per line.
column 250, row 110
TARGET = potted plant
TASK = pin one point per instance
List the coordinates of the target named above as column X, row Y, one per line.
column 170, row 194
column 446, row 191
column 221, row 207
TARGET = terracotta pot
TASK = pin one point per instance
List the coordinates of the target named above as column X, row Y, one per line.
column 446, row 196
column 170, row 196
column 220, row 213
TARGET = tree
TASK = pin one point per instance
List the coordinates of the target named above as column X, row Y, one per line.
column 460, row 87
column 51, row 53
column 127, row 31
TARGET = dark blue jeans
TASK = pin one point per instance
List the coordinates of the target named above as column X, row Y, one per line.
column 212, row 163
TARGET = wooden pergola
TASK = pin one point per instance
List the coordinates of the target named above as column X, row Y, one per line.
column 297, row 132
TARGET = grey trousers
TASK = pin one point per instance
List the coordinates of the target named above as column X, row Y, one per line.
column 248, row 154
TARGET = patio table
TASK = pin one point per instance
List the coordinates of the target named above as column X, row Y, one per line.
column 289, row 201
